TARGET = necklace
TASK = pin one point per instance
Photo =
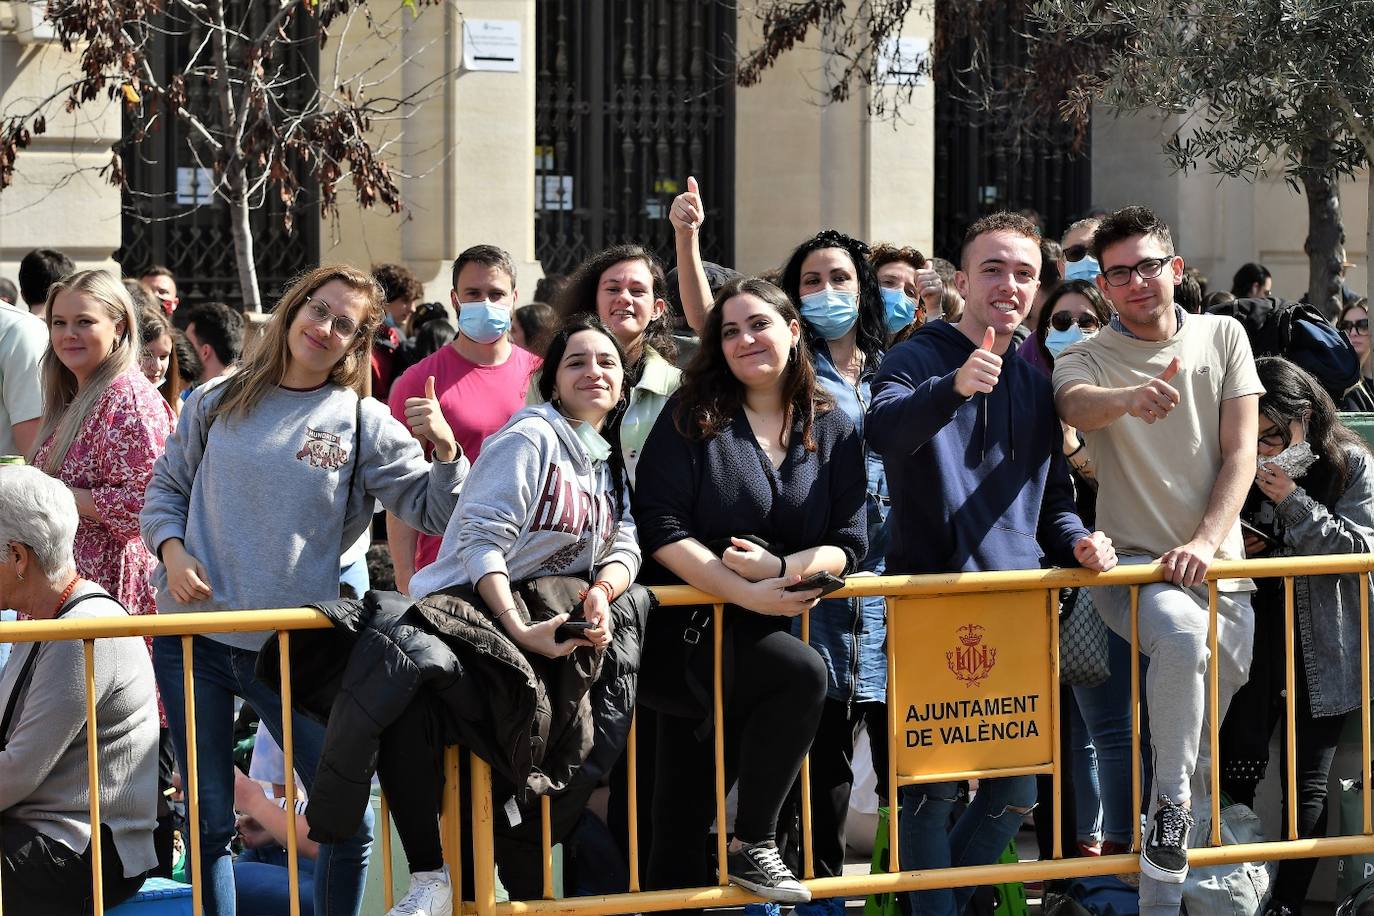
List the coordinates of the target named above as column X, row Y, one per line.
column 66, row 593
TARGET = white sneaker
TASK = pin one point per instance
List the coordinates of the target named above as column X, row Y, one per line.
column 430, row 894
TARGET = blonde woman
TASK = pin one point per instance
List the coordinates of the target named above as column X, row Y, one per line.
column 103, row 428
column 271, row 475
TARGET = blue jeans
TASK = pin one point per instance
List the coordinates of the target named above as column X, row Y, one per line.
column 981, row 834
column 1105, row 712
column 262, row 886
column 222, row 673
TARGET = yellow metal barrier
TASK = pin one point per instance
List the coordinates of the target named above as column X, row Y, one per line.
column 931, row 588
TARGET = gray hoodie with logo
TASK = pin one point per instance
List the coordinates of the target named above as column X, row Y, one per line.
column 537, row 504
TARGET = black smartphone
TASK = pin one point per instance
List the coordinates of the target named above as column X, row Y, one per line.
column 1251, row 529
column 571, row 629
column 824, row 581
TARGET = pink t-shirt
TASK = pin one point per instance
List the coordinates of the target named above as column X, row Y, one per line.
column 476, row 401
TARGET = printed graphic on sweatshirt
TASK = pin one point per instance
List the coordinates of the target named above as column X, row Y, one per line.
column 322, row 450
column 564, row 507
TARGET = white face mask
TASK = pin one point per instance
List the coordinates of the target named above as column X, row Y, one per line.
column 1294, row 460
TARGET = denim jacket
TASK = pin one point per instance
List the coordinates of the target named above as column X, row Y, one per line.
column 1327, row 608
column 851, row 633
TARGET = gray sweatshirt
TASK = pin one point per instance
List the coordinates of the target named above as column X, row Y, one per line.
column 43, row 767
column 535, row 505
column 264, row 501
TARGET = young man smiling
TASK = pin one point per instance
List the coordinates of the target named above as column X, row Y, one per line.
column 974, row 460
column 1170, row 409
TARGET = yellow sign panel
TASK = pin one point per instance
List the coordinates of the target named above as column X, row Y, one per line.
column 973, row 681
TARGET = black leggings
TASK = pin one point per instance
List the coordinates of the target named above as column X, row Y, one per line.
column 776, row 694
column 41, row 876
column 1257, row 709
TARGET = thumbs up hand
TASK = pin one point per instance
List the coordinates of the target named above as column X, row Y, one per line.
column 980, row 371
column 1154, row 399
column 687, row 212
column 426, row 422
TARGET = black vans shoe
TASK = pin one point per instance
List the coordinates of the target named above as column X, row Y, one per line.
column 1165, row 856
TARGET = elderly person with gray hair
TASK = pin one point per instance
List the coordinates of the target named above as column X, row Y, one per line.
column 45, row 827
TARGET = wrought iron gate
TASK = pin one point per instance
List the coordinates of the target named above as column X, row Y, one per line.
column 983, row 165
column 169, row 219
column 632, row 97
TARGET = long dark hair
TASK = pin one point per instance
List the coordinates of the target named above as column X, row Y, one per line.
column 1085, row 288
column 872, row 323
column 1291, row 394
column 547, row 382
column 578, row 296
column 711, row 394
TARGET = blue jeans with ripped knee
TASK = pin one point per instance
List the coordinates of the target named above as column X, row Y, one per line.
column 978, row 838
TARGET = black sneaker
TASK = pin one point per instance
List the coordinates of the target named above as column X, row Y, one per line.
column 1165, row 856
column 757, row 867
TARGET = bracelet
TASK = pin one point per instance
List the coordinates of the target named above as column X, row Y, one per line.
column 1077, row 450
column 606, row 587
column 497, row 618
column 782, row 570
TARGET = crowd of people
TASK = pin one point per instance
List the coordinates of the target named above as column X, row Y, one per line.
column 861, row 410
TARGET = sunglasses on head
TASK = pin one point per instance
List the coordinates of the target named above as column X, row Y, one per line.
column 1062, row 321
column 1358, row 326
column 1075, row 253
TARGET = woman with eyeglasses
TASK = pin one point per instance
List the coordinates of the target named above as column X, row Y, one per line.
column 271, row 475
column 1313, row 495
column 1354, row 321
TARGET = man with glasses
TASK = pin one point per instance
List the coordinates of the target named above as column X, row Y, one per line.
column 1169, row 408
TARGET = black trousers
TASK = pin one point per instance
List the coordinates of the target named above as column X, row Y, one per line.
column 410, row 767
column 1258, row 708
column 832, row 783
column 773, row 707
column 42, row 877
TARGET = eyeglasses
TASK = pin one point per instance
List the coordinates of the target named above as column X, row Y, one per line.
column 1274, row 439
column 1062, row 321
column 1147, row 269
column 317, row 310
column 1358, row 326
column 1075, row 253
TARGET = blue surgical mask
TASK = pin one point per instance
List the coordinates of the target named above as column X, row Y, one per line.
column 1085, row 268
column 898, row 308
column 831, row 312
column 1056, row 341
column 483, row 322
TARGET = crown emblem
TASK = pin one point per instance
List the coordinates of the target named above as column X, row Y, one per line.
column 971, row 661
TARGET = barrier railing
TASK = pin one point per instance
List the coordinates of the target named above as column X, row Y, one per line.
column 1029, row 597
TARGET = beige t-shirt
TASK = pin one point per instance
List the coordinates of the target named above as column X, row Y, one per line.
column 1154, row 480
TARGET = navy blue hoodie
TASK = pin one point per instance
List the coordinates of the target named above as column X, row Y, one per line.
column 977, row 483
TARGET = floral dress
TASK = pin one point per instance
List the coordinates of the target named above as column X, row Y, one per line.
column 113, row 456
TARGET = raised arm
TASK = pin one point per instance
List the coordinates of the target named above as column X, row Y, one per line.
column 1088, row 407
column 687, row 214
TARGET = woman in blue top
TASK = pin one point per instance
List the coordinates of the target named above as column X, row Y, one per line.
column 845, row 318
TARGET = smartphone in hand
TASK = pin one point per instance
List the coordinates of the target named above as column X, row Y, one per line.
column 824, row 581
column 572, row 629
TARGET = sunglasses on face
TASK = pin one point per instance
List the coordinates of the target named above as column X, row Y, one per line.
column 1358, row 326
column 1062, row 321
column 1075, row 253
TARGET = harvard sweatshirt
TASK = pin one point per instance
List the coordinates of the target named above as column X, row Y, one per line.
column 535, row 505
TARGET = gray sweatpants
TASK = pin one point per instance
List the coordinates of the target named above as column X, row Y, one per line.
column 1173, row 635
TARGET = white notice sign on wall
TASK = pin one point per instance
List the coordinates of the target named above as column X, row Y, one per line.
column 491, row 44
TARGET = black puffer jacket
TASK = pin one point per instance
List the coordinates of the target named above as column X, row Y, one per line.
column 538, row 723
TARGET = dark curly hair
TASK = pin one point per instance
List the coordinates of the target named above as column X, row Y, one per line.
column 711, row 394
column 872, row 323
column 579, row 295
column 397, row 282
